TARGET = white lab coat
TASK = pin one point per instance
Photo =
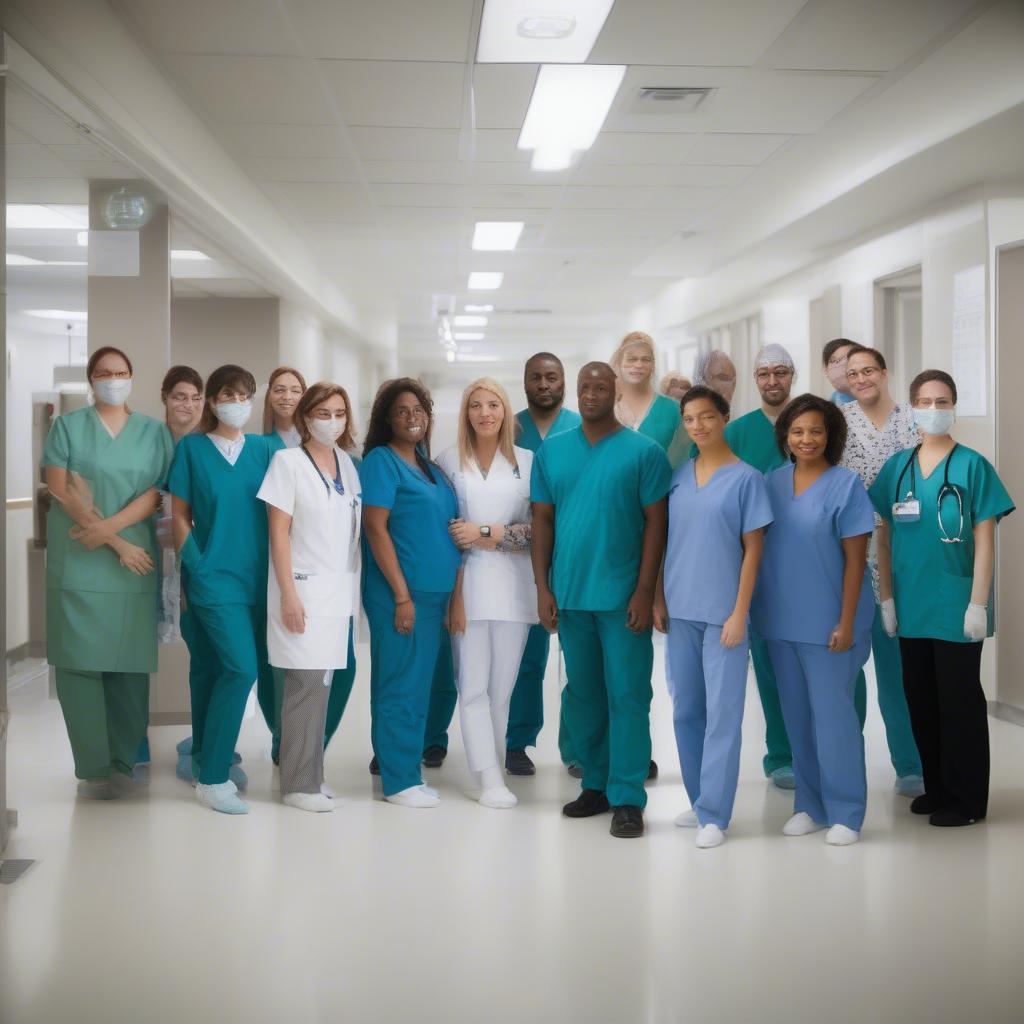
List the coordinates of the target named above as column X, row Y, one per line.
column 496, row 585
column 325, row 559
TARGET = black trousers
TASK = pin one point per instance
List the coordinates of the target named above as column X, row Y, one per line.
column 949, row 716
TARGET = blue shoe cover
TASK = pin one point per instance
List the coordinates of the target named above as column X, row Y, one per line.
column 185, row 746
column 910, row 785
column 238, row 777
column 783, row 778
column 184, row 769
column 221, row 797
column 236, row 758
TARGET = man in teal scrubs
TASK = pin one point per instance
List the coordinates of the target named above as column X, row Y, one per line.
column 599, row 527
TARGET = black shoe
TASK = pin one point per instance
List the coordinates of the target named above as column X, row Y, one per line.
column 574, row 770
column 627, row 822
column 925, row 804
column 433, row 757
column 652, row 771
column 375, row 766
column 517, row 762
column 951, row 819
column 587, row 804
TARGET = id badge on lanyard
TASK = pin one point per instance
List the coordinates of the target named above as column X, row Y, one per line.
column 353, row 541
column 906, row 511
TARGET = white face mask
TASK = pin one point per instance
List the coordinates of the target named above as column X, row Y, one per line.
column 327, row 431
column 934, row 421
column 233, row 414
column 114, row 391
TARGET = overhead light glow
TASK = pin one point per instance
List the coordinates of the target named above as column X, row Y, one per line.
column 82, row 237
column 471, row 321
column 59, row 217
column 569, row 105
column 188, row 254
column 478, row 309
column 58, row 314
column 469, row 335
column 450, row 356
column 15, row 260
column 497, row 235
column 465, row 357
column 540, row 31
column 485, row 280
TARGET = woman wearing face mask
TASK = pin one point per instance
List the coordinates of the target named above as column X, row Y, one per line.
column 494, row 603
column 410, row 574
column 940, row 503
column 638, row 405
column 313, row 504
column 220, row 531
column 103, row 466
column 284, row 389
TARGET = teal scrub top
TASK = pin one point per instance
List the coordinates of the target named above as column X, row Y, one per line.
column 661, row 422
column 224, row 559
column 529, row 436
column 418, row 524
column 599, row 493
column 752, row 438
column 932, row 580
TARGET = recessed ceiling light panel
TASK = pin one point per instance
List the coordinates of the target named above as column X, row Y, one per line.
column 540, row 31
column 485, row 280
column 497, row 235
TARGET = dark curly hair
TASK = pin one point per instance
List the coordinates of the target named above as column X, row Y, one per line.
column 703, row 391
column 835, row 426
column 379, row 433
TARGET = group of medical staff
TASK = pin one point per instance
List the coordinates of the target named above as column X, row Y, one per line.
column 803, row 536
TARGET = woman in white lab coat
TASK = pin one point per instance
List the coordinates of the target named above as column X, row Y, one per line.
column 494, row 602
column 313, row 502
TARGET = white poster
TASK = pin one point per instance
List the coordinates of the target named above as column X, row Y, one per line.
column 970, row 358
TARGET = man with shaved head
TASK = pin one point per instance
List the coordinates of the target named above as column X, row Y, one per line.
column 599, row 527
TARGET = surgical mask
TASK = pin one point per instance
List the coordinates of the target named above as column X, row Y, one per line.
column 233, row 414
column 934, row 421
column 327, row 431
column 837, row 375
column 114, row 391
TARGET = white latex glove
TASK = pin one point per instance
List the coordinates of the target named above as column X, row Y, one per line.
column 976, row 622
column 889, row 617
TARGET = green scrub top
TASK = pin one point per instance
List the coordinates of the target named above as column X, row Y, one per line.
column 224, row 559
column 932, row 580
column 528, row 434
column 752, row 438
column 661, row 422
column 599, row 493
column 97, row 620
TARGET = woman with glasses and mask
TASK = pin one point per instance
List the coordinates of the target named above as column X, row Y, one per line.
column 411, row 566
column 220, row 532
column 940, row 503
column 104, row 466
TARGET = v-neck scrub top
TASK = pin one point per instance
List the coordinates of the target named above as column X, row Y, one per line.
column 529, row 436
column 752, row 439
column 799, row 592
column 418, row 524
column 705, row 538
column 599, row 493
column 661, row 422
column 931, row 580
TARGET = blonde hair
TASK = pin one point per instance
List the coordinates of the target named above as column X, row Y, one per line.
column 268, row 412
column 631, row 339
column 506, row 433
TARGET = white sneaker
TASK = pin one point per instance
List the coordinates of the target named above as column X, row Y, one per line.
column 414, row 796
column 327, row 791
column 500, row 798
column 687, row 819
column 429, row 790
column 709, row 836
column 840, row 835
column 801, row 824
column 309, row 801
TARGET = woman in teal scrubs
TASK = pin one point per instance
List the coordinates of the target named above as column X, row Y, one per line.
column 940, row 503
column 104, row 465
column 638, row 405
column 220, row 531
column 410, row 574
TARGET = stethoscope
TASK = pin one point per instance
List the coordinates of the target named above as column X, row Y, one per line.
column 336, row 482
column 945, row 490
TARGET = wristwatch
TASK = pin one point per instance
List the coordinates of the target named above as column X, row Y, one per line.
column 485, row 531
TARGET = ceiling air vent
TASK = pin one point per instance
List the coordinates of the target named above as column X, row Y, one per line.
column 671, row 99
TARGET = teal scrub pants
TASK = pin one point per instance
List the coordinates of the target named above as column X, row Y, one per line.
column 608, row 701
column 526, row 709
column 401, row 670
column 105, row 714
column 227, row 650
column 443, row 695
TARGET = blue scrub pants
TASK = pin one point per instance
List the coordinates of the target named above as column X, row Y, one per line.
column 227, row 646
column 708, row 685
column 401, row 669
column 526, row 711
column 817, row 688
column 608, row 701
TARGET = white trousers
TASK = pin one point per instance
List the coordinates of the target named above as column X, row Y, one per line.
column 487, row 658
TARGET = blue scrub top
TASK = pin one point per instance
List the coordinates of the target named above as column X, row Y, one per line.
column 705, row 538
column 599, row 493
column 799, row 592
column 418, row 524
column 529, row 436
column 931, row 580
column 841, row 398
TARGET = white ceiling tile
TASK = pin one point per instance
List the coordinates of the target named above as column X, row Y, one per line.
column 641, row 148
column 33, row 161
column 21, row 106
column 253, row 89
column 501, row 94
column 583, row 197
column 15, row 136
column 486, row 173
column 322, row 201
column 99, row 170
column 727, row 148
column 300, row 141
column 286, row 169
column 494, row 144
column 384, row 29
column 51, row 131
column 609, row 227
column 455, row 196
column 405, row 144
column 47, row 190
column 409, row 94
column 404, row 172
column 79, row 152
column 668, row 175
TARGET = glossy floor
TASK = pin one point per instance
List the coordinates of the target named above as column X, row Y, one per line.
column 154, row 909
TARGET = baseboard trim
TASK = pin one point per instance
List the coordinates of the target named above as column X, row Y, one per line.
column 1006, row 712
column 29, row 649
column 170, row 718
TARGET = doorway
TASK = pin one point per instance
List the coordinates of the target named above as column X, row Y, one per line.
column 898, row 327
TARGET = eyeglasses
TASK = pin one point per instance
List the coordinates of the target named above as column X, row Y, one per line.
column 779, row 373
column 867, row 373
column 179, row 398
column 112, row 375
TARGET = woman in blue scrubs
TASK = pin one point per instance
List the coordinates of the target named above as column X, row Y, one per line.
column 940, row 503
column 814, row 607
column 717, row 513
column 410, row 574
column 220, row 531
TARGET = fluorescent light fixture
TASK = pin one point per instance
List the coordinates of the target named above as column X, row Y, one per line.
column 15, row 260
column 540, row 31
column 465, row 357
column 569, row 105
column 450, row 356
column 82, row 237
column 62, row 217
column 469, row 335
column 478, row 309
column 58, row 314
column 471, row 321
column 485, row 280
column 188, row 254
column 497, row 235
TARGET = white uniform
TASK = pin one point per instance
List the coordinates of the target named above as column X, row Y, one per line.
column 325, row 559
column 500, row 599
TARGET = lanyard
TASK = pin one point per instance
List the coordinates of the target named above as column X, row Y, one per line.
column 944, row 490
column 337, row 484
column 913, row 476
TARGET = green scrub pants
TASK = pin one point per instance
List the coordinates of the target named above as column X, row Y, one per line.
column 526, row 709
column 608, row 701
column 443, row 696
column 105, row 714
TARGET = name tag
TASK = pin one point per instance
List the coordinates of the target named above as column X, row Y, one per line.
column 908, row 511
